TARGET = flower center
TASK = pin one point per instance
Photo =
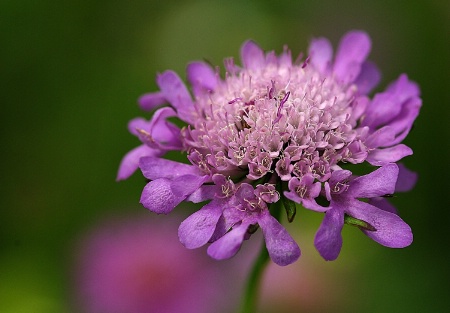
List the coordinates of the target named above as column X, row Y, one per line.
column 279, row 118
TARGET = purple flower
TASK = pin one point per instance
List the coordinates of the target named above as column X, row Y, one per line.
column 135, row 265
column 343, row 193
column 271, row 131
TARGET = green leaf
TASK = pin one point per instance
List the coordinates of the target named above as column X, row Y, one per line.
column 358, row 223
column 290, row 208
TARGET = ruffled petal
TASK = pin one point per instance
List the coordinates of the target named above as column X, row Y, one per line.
column 320, row 54
column 387, row 105
column 403, row 122
column 252, row 56
column 154, row 168
column 379, row 157
column 185, row 185
column 282, row 248
column 204, row 193
column 197, row 229
column 130, row 162
column 159, row 197
column 378, row 183
column 201, row 76
column 138, row 123
column 351, row 53
column 383, row 204
column 152, row 100
column 229, row 244
column 382, row 137
column 328, row 239
column 368, row 78
column 175, row 92
column 406, row 179
column 391, row 231
column 165, row 134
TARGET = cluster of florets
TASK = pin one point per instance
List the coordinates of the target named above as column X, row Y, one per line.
column 277, row 131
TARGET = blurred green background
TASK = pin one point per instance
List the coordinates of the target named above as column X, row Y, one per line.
column 71, row 72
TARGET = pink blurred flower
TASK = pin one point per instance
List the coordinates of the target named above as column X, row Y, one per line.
column 137, row 265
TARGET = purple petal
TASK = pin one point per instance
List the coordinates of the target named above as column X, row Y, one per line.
column 320, row 52
column 283, row 250
column 154, row 168
column 403, row 122
column 383, row 137
column 165, row 134
column 404, row 88
column 388, row 155
column 352, row 52
column 197, row 229
column 328, row 239
column 391, row 230
column 229, row 244
column 383, row 204
column 177, row 94
column 368, row 78
column 252, row 56
column 150, row 101
column 406, row 179
column 388, row 104
column 378, row 183
column 158, row 196
column 339, row 176
column 185, row 185
column 130, row 161
column 201, row 76
column 138, row 123
column 206, row 192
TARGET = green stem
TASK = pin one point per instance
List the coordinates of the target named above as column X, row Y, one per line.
column 250, row 299
column 252, row 289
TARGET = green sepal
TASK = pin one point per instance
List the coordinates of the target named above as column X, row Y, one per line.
column 290, row 208
column 358, row 223
column 288, row 204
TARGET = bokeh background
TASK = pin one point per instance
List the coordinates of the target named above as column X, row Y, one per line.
column 71, row 72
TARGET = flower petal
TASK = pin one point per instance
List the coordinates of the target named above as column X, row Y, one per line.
column 152, row 100
column 382, row 137
column 320, row 52
column 130, row 162
column 174, row 90
column 403, row 122
column 368, row 78
column 158, row 196
column 383, row 204
column 378, row 183
column 185, row 185
column 282, row 248
column 387, row 105
column 205, row 192
column 252, row 55
column 138, row 123
column 197, row 229
column 351, row 53
column 229, row 244
column 165, row 134
column 383, row 156
column 154, row 168
column 406, row 179
column 391, row 230
column 328, row 239
column 201, row 76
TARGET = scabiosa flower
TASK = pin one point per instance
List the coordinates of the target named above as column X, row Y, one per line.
column 273, row 133
column 134, row 265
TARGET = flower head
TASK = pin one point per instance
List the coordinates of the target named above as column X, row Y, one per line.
column 133, row 265
column 275, row 130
